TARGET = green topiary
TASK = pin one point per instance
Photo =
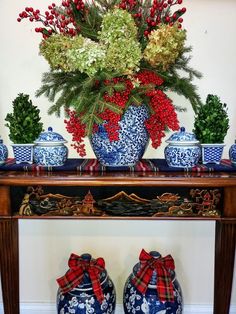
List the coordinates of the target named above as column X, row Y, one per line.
column 24, row 123
column 211, row 122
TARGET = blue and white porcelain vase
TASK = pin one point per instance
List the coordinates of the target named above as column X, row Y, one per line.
column 136, row 301
column 133, row 139
column 232, row 154
column 50, row 150
column 3, row 152
column 183, row 150
column 95, row 293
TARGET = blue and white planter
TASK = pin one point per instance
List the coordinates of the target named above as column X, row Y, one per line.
column 50, row 150
column 23, row 153
column 232, row 154
column 82, row 299
column 135, row 302
column 3, row 152
column 183, row 150
column 212, row 153
column 133, row 140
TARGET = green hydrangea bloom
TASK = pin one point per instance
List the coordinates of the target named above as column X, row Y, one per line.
column 54, row 49
column 164, row 46
column 119, row 35
column 87, row 57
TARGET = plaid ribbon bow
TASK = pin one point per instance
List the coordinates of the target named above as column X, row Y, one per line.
column 75, row 274
column 162, row 266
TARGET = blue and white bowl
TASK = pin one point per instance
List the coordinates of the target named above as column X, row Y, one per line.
column 3, row 152
column 183, row 150
column 50, row 150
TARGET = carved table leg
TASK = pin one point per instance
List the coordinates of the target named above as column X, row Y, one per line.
column 224, row 265
column 9, row 264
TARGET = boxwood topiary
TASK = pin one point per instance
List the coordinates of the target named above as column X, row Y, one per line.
column 24, row 122
column 211, row 122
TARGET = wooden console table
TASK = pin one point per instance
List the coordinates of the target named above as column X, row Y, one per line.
column 225, row 238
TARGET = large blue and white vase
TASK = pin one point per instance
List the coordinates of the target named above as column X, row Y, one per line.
column 137, row 300
column 95, row 293
column 3, row 152
column 50, row 149
column 133, row 139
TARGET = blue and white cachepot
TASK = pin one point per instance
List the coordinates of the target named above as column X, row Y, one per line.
column 183, row 150
column 133, row 139
column 23, row 153
column 3, row 152
column 135, row 302
column 50, row 150
column 82, row 299
column 232, row 154
column 212, row 153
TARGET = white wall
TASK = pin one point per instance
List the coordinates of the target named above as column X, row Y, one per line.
column 45, row 246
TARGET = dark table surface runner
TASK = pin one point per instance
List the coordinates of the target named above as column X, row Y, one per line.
column 92, row 165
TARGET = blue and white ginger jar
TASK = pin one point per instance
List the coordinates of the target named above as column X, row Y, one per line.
column 232, row 154
column 183, row 150
column 133, row 139
column 3, row 152
column 135, row 302
column 50, row 150
column 82, row 300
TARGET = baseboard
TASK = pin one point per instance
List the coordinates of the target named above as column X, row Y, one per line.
column 48, row 308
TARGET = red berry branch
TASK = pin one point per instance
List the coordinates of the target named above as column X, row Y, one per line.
column 158, row 13
column 57, row 19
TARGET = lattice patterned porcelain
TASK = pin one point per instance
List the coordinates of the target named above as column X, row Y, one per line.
column 23, row 153
column 212, row 153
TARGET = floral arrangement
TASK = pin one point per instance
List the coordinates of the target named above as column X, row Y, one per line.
column 106, row 55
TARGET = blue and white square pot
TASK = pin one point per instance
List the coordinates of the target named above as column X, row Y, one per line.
column 23, row 153
column 212, row 153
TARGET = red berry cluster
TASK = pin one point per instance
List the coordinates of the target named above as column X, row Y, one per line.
column 77, row 129
column 164, row 116
column 133, row 7
column 148, row 77
column 56, row 19
column 120, row 99
column 160, row 13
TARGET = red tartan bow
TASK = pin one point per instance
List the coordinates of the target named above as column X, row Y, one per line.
column 75, row 274
column 162, row 266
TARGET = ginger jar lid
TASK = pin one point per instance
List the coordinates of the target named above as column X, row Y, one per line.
column 182, row 138
column 50, row 138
